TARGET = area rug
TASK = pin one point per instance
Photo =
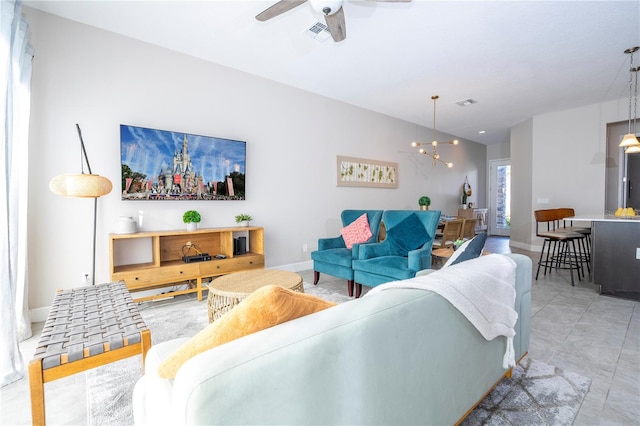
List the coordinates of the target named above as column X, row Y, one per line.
column 110, row 387
column 536, row 394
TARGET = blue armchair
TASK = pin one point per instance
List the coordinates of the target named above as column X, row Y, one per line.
column 334, row 258
column 405, row 250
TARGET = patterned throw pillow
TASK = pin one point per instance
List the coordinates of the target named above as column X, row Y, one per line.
column 357, row 231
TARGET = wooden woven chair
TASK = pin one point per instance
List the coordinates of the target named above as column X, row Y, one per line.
column 450, row 233
column 468, row 230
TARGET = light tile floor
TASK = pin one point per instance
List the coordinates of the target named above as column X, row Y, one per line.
column 573, row 328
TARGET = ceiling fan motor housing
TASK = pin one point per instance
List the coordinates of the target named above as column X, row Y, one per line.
column 326, row 7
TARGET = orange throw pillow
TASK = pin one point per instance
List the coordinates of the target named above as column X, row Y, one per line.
column 268, row 306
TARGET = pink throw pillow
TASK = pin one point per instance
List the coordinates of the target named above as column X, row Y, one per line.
column 357, row 231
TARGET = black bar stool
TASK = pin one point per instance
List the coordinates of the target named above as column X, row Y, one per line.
column 560, row 245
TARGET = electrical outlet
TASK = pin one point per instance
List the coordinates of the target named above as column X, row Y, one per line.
column 86, row 279
column 304, row 248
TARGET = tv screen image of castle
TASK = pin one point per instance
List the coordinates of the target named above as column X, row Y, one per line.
column 166, row 165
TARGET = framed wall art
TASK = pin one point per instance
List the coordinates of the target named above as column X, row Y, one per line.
column 370, row 173
column 164, row 165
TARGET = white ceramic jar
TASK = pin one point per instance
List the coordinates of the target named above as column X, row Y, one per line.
column 126, row 225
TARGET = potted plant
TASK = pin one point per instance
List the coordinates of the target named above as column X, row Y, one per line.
column 191, row 218
column 243, row 219
column 424, row 202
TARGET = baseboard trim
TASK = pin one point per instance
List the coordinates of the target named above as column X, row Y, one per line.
column 295, row 267
column 39, row 314
column 524, row 246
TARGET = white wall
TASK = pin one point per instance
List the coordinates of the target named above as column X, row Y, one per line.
column 558, row 161
column 521, row 184
column 101, row 80
column 498, row 151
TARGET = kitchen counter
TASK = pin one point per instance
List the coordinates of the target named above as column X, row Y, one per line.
column 604, row 218
column 615, row 253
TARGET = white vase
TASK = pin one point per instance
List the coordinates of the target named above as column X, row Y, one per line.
column 125, row 225
column 244, row 223
column 192, row 226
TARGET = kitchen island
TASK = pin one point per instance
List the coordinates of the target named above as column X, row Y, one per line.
column 615, row 253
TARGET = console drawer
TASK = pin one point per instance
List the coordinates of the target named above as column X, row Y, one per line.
column 235, row 264
column 168, row 274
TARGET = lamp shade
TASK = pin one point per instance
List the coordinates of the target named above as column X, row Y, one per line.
column 629, row 140
column 80, row 185
column 634, row 149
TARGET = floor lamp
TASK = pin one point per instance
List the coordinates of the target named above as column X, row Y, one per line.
column 83, row 185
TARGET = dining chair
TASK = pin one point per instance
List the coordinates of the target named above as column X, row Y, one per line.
column 450, row 234
column 468, row 229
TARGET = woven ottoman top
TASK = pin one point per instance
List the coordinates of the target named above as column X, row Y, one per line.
column 88, row 321
column 241, row 284
column 228, row 291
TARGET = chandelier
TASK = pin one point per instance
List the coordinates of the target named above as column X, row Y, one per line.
column 433, row 153
column 630, row 141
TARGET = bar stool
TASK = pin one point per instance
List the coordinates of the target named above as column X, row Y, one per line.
column 565, row 214
column 560, row 244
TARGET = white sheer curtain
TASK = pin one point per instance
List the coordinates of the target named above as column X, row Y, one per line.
column 15, row 105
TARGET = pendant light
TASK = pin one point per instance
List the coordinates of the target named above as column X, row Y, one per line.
column 630, row 141
column 435, row 157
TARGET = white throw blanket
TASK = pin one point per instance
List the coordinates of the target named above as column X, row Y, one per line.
column 482, row 289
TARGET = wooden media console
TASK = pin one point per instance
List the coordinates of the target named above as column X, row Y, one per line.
column 150, row 260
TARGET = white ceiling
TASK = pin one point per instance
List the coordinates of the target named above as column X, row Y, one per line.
column 517, row 59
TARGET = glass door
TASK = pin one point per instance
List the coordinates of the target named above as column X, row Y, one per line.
column 500, row 197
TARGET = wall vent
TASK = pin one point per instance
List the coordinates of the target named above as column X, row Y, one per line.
column 318, row 31
column 467, row 102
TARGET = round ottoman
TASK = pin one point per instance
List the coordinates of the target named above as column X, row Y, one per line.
column 227, row 291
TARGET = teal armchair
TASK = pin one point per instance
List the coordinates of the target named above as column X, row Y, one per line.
column 405, row 250
column 334, row 258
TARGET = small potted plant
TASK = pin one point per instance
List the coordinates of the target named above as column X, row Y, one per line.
column 243, row 219
column 424, row 202
column 191, row 218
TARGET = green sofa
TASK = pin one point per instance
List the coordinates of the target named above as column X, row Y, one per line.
column 400, row 357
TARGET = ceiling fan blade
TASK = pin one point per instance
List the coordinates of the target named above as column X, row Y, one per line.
column 278, row 9
column 337, row 25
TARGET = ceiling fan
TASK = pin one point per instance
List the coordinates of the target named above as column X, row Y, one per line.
column 331, row 9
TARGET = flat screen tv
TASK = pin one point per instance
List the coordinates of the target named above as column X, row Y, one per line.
column 164, row 165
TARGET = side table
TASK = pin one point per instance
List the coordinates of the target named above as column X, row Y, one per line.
column 87, row 327
column 229, row 290
column 440, row 257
